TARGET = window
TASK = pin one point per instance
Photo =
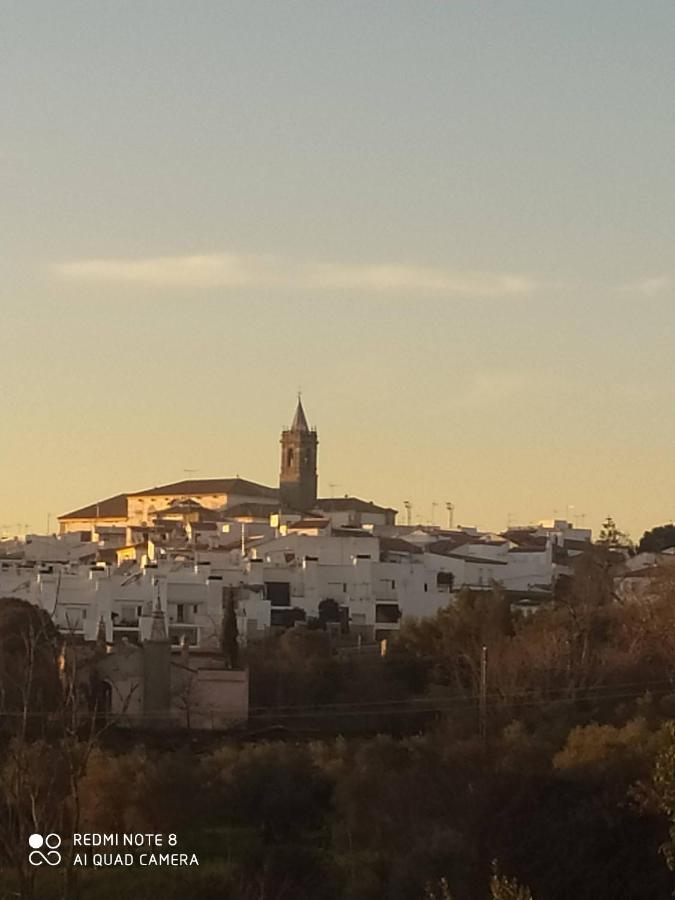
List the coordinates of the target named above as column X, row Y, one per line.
column 445, row 581
column 387, row 613
column 278, row 593
column 128, row 615
column 195, row 609
column 180, row 612
column 289, row 458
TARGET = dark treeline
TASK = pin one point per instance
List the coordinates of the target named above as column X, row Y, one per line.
column 569, row 793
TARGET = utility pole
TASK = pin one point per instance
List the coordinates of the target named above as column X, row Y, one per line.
column 408, row 512
column 482, row 710
column 433, row 512
column 451, row 509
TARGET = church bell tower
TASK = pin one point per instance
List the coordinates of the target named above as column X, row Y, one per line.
column 298, row 477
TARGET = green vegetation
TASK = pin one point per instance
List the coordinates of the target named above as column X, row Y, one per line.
column 570, row 794
column 658, row 539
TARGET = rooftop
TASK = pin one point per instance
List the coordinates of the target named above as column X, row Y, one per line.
column 197, row 486
column 350, row 504
column 111, row 508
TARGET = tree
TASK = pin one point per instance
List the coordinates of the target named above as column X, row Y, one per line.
column 30, row 647
column 664, row 789
column 329, row 611
column 611, row 536
column 51, row 726
column 503, row 888
column 229, row 636
column 437, row 891
column 42, row 755
column 657, row 539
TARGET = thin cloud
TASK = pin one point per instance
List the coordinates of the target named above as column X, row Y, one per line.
column 648, row 287
column 496, row 387
column 231, row 271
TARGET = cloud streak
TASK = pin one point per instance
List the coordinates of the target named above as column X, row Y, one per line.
column 233, row 271
column 648, row 287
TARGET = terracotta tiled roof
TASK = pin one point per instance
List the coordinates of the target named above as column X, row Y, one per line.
column 111, row 508
column 483, row 561
column 180, row 507
column 528, row 549
column 450, row 545
column 308, row 523
column 197, row 486
column 349, row 504
column 398, row 545
column 249, row 511
column 352, row 531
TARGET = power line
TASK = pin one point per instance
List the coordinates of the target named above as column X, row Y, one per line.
column 492, row 700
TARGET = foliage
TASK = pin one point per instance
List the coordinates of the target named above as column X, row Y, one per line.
column 438, row 891
column 30, row 646
column 611, row 536
column 229, row 638
column 664, row 790
column 503, row 888
column 573, row 792
column 658, row 539
column 329, row 611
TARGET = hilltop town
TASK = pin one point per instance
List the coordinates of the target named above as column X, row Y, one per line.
column 161, row 565
column 153, row 577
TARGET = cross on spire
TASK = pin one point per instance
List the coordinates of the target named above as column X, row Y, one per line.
column 299, row 419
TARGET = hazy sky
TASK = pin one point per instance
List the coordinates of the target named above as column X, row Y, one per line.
column 450, row 223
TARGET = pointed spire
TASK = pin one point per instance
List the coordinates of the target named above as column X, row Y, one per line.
column 299, row 419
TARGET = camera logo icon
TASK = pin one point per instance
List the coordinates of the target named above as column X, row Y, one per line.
column 50, row 856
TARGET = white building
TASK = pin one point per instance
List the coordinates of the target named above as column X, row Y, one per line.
column 304, row 568
column 192, row 597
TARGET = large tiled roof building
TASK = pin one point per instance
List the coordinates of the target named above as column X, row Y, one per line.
column 297, row 492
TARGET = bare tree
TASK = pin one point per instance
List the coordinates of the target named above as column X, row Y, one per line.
column 51, row 722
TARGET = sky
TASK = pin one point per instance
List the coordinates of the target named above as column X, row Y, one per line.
column 449, row 223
